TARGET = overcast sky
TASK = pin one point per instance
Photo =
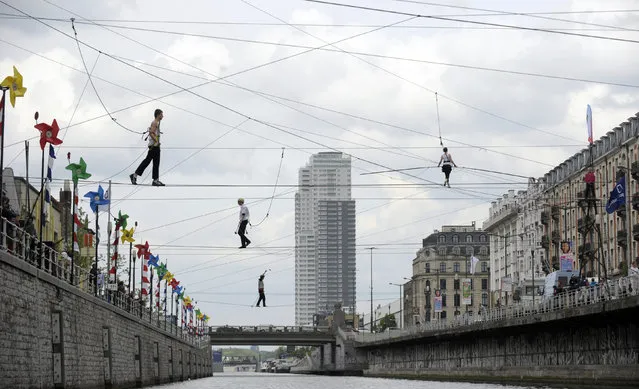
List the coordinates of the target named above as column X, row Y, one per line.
column 319, row 100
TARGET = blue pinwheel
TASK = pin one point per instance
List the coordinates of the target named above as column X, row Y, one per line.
column 97, row 198
column 153, row 260
column 178, row 289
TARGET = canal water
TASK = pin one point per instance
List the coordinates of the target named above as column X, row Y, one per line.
column 295, row 381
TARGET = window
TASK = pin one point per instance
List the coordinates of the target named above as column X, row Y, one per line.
column 456, row 267
column 482, row 238
column 484, row 284
column 484, row 267
column 442, row 251
column 427, row 270
column 484, row 299
column 443, row 300
column 456, row 284
column 469, row 239
column 442, row 239
column 442, row 284
column 456, row 250
column 455, row 239
column 457, row 300
column 442, row 267
column 483, row 250
column 470, row 250
column 443, row 314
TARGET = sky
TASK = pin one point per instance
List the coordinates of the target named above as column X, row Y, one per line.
column 372, row 95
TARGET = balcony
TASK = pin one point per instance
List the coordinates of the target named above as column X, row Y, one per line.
column 635, row 232
column 554, row 212
column 585, row 224
column 622, row 238
column 545, row 242
column 635, row 201
column 544, row 218
column 621, row 211
column 556, row 237
column 634, row 170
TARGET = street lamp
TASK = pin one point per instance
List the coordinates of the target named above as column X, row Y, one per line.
column 400, row 302
column 427, row 300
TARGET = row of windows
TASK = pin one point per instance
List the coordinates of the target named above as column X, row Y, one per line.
column 483, row 250
column 455, row 238
column 456, row 267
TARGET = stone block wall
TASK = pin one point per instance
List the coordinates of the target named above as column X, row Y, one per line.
column 55, row 336
column 600, row 347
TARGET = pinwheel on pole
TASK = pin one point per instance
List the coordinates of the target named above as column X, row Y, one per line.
column 78, row 172
column 127, row 236
column 48, row 134
column 13, row 84
column 97, row 199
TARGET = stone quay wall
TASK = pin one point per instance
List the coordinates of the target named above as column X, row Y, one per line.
column 52, row 335
column 598, row 344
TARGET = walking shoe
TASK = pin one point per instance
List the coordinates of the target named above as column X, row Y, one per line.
column 248, row 243
column 157, row 183
column 134, row 179
column 242, row 247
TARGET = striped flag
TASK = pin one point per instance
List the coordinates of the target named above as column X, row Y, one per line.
column 589, row 123
column 145, row 280
column 47, row 186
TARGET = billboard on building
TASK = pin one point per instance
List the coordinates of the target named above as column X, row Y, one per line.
column 438, row 301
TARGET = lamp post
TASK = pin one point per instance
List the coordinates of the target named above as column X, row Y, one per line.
column 371, row 249
column 400, row 302
column 457, row 294
column 427, row 300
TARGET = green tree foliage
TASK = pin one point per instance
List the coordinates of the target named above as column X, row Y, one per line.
column 387, row 321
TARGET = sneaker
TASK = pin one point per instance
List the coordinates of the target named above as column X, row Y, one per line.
column 157, row 183
column 134, row 179
column 242, row 247
column 248, row 243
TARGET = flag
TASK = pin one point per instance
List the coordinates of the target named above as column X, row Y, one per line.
column 589, row 123
column 144, row 291
column 104, row 205
column 617, row 196
column 47, row 186
column 1, row 116
column 473, row 263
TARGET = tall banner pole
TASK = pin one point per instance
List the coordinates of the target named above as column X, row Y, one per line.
column 2, row 131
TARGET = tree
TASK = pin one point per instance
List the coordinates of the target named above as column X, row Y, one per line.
column 387, row 321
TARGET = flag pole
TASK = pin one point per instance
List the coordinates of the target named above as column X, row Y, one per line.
column 97, row 241
column 109, row 229
column 2, row 131
column 41, row 209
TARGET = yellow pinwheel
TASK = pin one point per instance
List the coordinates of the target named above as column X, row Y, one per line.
column 187, row 301
column 167, row 277
column 127, row 235
column 15, row 86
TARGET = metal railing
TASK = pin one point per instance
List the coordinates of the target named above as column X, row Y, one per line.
column 583, row 296
column 17, row 242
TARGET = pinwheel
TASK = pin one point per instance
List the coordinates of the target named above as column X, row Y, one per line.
column 97, row 198
column 78, row 171
column 161, row 270
column 180, row 294
column 15, row 86
column 48, row 133
column 174, row 283
column 127, row 235
column 167, row 277
column 153, row 260
column 178, row 291
column 121, row 220
column 187, row 301
column 143, row 250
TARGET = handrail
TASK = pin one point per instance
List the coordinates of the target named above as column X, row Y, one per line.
column 583, row 296
column 25, row 247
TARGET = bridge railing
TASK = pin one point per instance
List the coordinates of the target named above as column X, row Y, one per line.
column 583, row 296
column 26, row 247
column 236, row 329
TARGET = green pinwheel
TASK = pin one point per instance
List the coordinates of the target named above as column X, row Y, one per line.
column 180, row 295
column 161, row 270
column 78, row 171
column 121, row 221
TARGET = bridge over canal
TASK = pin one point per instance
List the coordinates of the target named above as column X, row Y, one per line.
column 271, row 335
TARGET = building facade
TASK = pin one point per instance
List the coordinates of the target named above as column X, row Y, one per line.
column 515, row 232
column 439, row 270
column 603, row 243
column 324, row 237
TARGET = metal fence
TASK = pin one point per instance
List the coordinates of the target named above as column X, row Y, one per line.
column 267, row 328
column 583, row 296
column 23, row 246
